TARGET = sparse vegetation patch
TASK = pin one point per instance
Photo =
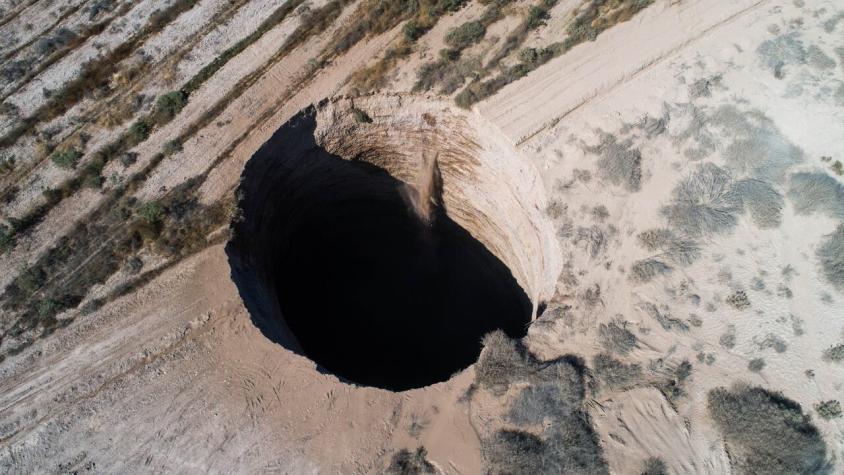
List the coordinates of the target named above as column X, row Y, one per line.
column 830, row 409
column 834, row 353
column 616, row 338
column 553, row 398
column 738, row 300
column 405, row 462
column 654, row 466
column 615, row 373
column 766, row 432
column 66, row 158
column 596, row 17
column 465, row 35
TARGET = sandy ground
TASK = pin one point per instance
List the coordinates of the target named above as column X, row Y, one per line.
column 176, row 378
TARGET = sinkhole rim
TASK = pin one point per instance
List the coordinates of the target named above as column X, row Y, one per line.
column 329, row 126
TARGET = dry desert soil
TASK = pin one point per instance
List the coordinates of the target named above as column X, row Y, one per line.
column 422, row 236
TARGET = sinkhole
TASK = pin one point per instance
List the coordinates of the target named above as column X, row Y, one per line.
column 382, row 237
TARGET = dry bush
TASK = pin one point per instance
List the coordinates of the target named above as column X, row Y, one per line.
column 360, row 116
column 834, row 353
column 656, row 239
column 830, row 409
column 739, row 300
column 58, row 40
column 728, row 338
column 554, row 397
column 405, row 462
column 615, row 373
column 756, row 365
column 503, row 361
column 7, row 238
column 703, row 203
column 600, row 213
column 514, row 451
column 763, row 202
column 66, row 158
column 14, row 70
column 814, row 192
column 831, row 256
column 645, row 270
column 168, row 105
column 378, row 16
column 674, row 385
column 766, row 432
column 465, row 35
column 140, row 130
column 654, row 466
column 665, row 320
column 615, row 338
column 592, row 238
column 600, row 15
column 572, row 451
column 556, row 392
column 773, row 341
column 619, row 162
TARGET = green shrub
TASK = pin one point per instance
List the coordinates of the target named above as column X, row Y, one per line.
column 48, row 308
column 66, row 158
column 7, row 163
column 448, row 55
column 92, row 176
column 767, row 433
column 152, row 212
column 31, row 280
column 172, row 146
column 128, row 158
column 7, row 238
column 536, row 17
column 360, row 116
column 170, row 104
column 140, row 130
column 92, row 180
column 413, row 31
column 465, row 35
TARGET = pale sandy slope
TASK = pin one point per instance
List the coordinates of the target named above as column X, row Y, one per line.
column 175, row 378
column 652, row 67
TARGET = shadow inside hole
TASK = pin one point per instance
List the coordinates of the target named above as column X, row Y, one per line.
column 332, row 264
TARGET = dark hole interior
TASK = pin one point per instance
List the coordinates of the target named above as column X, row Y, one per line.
column 332, row 264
